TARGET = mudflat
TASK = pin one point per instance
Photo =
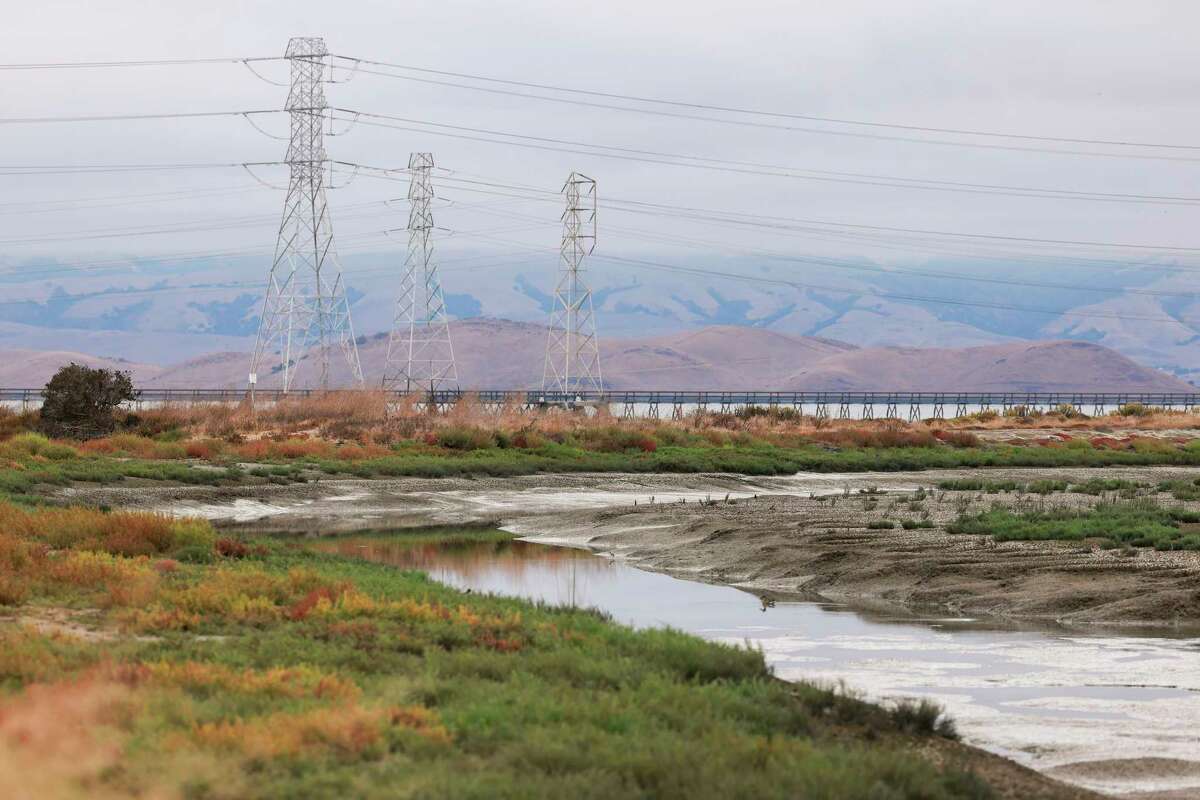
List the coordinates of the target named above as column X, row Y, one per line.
column 822, row 545
column 803, row 535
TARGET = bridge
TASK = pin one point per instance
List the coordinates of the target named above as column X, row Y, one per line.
column 654, row 404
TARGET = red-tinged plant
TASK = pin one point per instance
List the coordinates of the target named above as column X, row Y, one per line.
column 231, row 548
column 329, row 594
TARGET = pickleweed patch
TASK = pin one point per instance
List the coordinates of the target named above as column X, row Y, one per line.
column 346, row 733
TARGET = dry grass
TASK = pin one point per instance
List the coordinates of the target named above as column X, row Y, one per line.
column 369, row 418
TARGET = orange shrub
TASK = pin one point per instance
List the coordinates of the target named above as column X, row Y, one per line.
column 291, row 682
column 135, row 446
column 348, row 732
column 206, row 449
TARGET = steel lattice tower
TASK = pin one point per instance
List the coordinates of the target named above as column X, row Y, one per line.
column 572, row 350
column 305, row 306
column 420, row 356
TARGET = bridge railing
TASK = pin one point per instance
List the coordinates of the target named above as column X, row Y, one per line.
column 642, row 402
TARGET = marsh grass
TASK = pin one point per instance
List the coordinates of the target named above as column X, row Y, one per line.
column 321, row 676
column 1136, row 523
column 359, row 434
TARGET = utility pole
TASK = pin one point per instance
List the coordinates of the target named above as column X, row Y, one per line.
column 420, row 356
column 572, row 349
column 305, row 305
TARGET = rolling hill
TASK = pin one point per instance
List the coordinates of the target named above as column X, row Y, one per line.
column 501, row 354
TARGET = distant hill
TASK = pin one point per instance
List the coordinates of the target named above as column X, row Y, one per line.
column 501, row 354
column 31, row 369
column 164, row 312
column 167, row 312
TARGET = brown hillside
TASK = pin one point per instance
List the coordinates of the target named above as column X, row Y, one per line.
column 508, row 355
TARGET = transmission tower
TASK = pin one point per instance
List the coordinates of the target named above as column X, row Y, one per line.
column 420, row 355
column 305, row 312
column 572, row 350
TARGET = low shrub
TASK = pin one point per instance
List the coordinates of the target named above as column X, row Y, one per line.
column 463, row 438
column 79, row 401
column 1136, row 410
column 923, row 717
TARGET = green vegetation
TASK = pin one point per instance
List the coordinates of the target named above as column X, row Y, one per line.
column 1136, row 523
column 1093, row 486
column 79, row 401
column 1181, row 489
column 275, row 671
column 29, row 460
column 752, row 459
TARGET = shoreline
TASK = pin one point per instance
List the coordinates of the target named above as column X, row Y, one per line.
column 802, row 536
column 598, row 512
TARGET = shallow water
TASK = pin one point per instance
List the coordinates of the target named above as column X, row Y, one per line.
column 1045, row 699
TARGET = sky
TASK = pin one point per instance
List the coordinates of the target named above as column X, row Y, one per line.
column 1082, row 70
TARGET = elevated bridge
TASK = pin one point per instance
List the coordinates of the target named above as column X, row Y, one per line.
column 651, row 403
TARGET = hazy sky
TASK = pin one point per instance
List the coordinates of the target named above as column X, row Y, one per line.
column 1104, row 70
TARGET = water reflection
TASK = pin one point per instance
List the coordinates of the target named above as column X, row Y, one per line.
column 557, row 575
column 1043, row 698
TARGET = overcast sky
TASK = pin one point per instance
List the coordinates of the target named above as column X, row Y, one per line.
column 1103, row 70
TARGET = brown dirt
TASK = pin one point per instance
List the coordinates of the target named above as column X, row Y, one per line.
column 53, row 621
column 1124, row 770
column 1008, row 779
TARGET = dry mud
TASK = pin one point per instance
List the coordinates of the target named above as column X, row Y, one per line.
column 798, row 545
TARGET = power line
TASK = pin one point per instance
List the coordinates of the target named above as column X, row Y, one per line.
column 131, row 117
column 778, row 127
column 776, row 114
column 738, row 219
column 753, row 168
column 113, row 201
column 82, row 169
column 154, row 230
column 751, row 220
column 926, row 231
column 836, row 264
column 158, row 62
column 805, row 285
